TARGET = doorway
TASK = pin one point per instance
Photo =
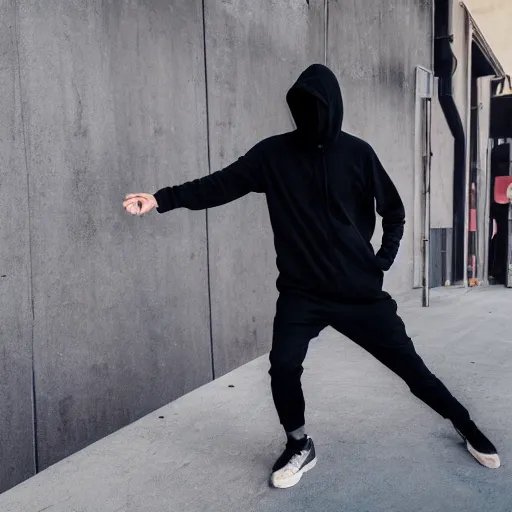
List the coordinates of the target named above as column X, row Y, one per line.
column 499, row 217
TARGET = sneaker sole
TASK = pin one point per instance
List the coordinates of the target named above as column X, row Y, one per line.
column 293, row 480
column 489, row 460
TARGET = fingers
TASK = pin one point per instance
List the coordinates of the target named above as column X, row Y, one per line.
column 133, row 205
column 146, row 207
column 133, row 209
column 129, row 202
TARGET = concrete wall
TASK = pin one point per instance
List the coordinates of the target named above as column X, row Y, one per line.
column 375, row 52
column 115, row 102
column 253, row 56
column 16, row 420
column 116, row 97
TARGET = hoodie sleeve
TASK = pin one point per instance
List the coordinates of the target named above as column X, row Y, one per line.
column 390, row 208
column 237, row 180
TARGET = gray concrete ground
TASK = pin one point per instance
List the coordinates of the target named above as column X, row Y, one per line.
column 379, row 448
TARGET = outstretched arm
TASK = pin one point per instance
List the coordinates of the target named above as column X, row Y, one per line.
column 237, row 180
column 391, row 209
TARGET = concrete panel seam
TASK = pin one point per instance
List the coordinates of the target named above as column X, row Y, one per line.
column 208, row 152
column 326, row 30
column 29, row 222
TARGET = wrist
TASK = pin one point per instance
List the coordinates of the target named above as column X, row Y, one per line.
column 383, row 260
column 164, row 200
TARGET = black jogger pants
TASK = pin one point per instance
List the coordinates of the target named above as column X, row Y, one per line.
column 376, row 327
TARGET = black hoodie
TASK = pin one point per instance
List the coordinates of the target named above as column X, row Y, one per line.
column 322, row 187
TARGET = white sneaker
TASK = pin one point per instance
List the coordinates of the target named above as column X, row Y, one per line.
column 297, row 458
column 479, row 446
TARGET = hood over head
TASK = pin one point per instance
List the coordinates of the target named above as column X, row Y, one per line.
column 316, row 105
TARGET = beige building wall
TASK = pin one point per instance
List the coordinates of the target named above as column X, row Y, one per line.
column 494, row 18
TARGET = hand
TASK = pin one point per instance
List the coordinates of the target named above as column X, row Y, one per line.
column 382, row 261
column 139, row 204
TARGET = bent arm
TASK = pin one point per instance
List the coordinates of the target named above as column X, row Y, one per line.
column 390, row 207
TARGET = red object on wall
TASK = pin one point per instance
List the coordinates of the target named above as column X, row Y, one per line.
column 472, row 220
column 503, row 189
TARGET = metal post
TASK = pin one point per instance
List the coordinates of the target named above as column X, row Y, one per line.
column 427, row 159
column 508, row 275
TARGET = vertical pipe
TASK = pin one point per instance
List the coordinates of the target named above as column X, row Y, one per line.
column 418, row 188
column 427, row 158
column 473, row 233
column 508, row 263
column 432, row 36
column 487, row 210
column 469, row 35
column 482, row 123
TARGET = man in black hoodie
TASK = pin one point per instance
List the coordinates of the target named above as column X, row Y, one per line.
column 322, row 187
